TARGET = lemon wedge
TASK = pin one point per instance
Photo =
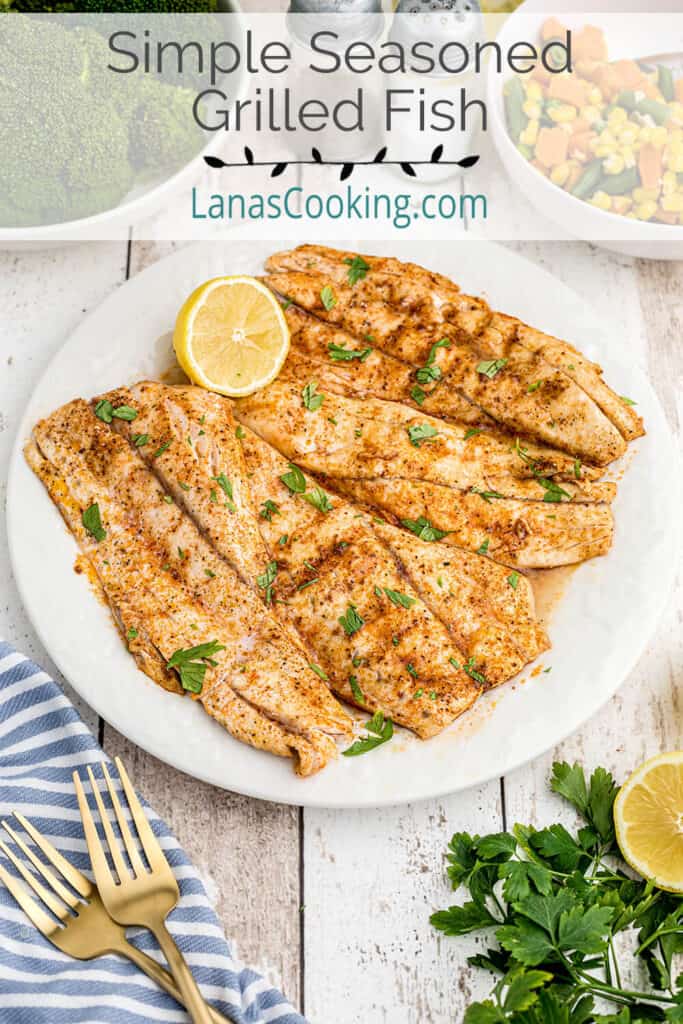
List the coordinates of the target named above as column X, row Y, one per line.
column 231, row 336
column 648, row 815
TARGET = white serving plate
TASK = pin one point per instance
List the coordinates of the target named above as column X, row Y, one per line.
column 599, row 629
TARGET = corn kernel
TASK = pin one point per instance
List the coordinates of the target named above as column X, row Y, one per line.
column 621, row 204
column 646, row 211
column 628, row 156
column 614, row 164
column 560, row 173
column 672, row 204
column 676, row 112
column 591, row 114
column 562, row 114
column 617, row 116
column 603, row 151
column 674, row 162
column 532, row 110
column 660, row 136
column 603, row 201
column 533, row 90
column 669, row 183
column 530, row 134
column 595, row 96
column 646, row 195
column 629, row 135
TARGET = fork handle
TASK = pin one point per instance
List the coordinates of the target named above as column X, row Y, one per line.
column 191, row 996
column 156, row 972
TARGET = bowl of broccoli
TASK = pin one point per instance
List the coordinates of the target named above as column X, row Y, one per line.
column 82, row 146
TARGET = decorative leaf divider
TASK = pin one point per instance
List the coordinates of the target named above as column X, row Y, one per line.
column 347, row 166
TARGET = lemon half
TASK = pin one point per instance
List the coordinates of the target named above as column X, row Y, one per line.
column 648, row 815
column 231, row 336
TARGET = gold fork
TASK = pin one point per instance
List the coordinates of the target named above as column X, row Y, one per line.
column 83, row 928
column 142, row 897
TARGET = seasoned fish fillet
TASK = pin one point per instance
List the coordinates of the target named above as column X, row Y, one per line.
column 423, row 292
column 393, row 654
column 379, row 375
column 527, row 535
column 350, row 438
column 526, row 394
column 186, row 435
column 170, row 592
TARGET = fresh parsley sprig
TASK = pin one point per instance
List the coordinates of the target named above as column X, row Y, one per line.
column 192, row 663
column 380, row 730
column 555, row 902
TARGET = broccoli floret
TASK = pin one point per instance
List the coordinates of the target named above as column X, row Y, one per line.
column 163, row 132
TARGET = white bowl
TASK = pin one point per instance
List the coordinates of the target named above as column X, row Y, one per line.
column 576, row 217
column 115, row 222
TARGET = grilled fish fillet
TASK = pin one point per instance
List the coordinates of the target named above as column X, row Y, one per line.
column 423, row 291
column 527, row 395
column 490, row 622
column 152, row 564
column 379, row 375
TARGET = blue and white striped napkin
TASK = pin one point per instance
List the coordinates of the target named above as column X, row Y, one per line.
column 42, row 741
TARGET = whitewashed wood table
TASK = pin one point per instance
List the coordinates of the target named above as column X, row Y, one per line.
column 334, row 906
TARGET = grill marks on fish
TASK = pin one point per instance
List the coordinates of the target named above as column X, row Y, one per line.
column 261, row 688
column 408, row 309
column 336, row 560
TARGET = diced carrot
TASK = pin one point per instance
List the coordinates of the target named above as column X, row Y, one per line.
column 650, row 165
column 551, row 146
column 580, row 143
column 666, row 217
column 630, row 75
column 589, row 44
column 580, row 126
column 568, row 89
column 607, row 81
column 679, row 90
column 539, row 167
column 541, row 74
column 553, row 29
column 651, row 90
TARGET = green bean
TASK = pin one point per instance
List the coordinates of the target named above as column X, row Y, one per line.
column 665, row 81
column 627, row 99
column 588, row 181
column 514, row 102
column 620, row 184
column 526, row 151
column 659, row 112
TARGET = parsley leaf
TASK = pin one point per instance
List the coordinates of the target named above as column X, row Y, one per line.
column 93, row 523
column 423, row 529
column 356, row 690
column 192, row 663
column 318, row 499
column 351, row 621
column 311, row 398
column 380, row 729
column 344, row 355
column 431, row 373
column 269, row 509
column 490, row 367
column 399, row 599
column 105, row 411
column 265, row 581
column 417, row 394
column 294, row 480
column 418, row 433
column 328, row 298
column 358, row 268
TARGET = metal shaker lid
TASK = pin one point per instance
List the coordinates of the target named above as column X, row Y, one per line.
column 437, row 22
column 350, row 19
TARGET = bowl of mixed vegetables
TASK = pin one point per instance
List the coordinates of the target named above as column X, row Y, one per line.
column 599, row 149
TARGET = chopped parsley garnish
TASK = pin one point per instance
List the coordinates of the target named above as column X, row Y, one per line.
column 423, row 529
column 294, row 480
column 430, row 372
column 318, row 671
column 161, row 449
column 418, row 693
column 269, row 509
column 140, row 439
column 239, row 432
column 421, row 432
column 168, row 499
column 265, row 581
column 417, row 394
column 412, row 670
column 318, row 499
column 226, row 486
column 513, row 580
column 483, row 548
column 309, row 583
column 577, row 469
column 328, row 298
column 490, row 367
column 286, row 302
column 356, row 690
column 192, row 663
column 553, row 492
column 472, row 432
column 340, row 354
column 533, row 387
column 132, row 633
column 433, row 695
column 399, row 599
column 358, row 268
column 310, row 397
column 213, row 496
column 182, row 486
column 283, row 539
column 351, row 621
column 627, row 401
column 92, row 522
column 182, row 554
column 105, row 411
column 381, row 730
column 210, row 574
column 487, row 495
column 471, row 671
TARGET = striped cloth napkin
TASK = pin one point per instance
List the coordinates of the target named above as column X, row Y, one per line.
column 42, row 741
